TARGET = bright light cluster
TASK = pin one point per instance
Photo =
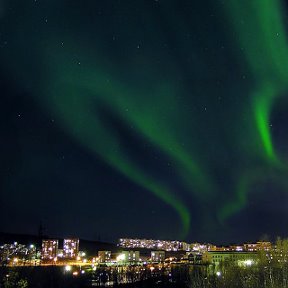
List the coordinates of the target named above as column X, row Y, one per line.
column 154, row 244
column 14, row 252
column 70, row 248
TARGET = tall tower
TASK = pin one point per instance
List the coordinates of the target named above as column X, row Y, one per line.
column 70, row 248
column 49, row 249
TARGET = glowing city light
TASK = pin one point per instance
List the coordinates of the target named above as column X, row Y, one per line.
column 120, row 257
column 68, row 268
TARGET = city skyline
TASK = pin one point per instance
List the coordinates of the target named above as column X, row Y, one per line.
column 127, row 264
column 128, row 242
column 72, row 253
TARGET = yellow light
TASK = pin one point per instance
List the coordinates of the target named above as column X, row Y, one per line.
column 75, row 273
column 15, row 260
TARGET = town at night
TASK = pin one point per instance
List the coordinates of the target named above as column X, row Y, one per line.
column 142, row 263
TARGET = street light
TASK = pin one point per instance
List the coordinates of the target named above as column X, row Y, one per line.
column 68, row 268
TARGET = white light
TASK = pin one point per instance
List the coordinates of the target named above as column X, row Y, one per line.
column 218, row 273
column 248, row 262
column 121, row 257
column 68, row 268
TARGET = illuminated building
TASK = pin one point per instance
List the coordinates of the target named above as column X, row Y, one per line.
column 264, row 245
column 166, row 245
column 260, row 245
column 222, row 248
column 198, row 247
column 194, row 257
column 157, row 256
column 128, row 256
column 70, row 248
column 201, row 247
column 133, row 256
column 211, row 247
column 250, row 247
column 216, row 257
column 49, row 249
column 184, row 246
column 236, row 248
column 17, row 251
column 104, row 256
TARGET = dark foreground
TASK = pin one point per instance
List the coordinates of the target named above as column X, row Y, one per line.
column 266, row 275
column 55, row 277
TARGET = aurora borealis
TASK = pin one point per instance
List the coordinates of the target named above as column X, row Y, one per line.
column 162, row 119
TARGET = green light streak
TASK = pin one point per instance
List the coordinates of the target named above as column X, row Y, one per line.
column 262, row 38
column 74, row 104
column 258, row 175
column 72, row 91
column 238, row 202
column 156, row 122
column 149, row 123
column 262, row 109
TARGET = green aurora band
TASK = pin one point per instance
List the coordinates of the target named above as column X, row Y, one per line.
column 75, row 93
column 88, row 129
column 83, row 124
column 262, row 39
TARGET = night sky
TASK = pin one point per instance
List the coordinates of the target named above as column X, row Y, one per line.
column 161, row 119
